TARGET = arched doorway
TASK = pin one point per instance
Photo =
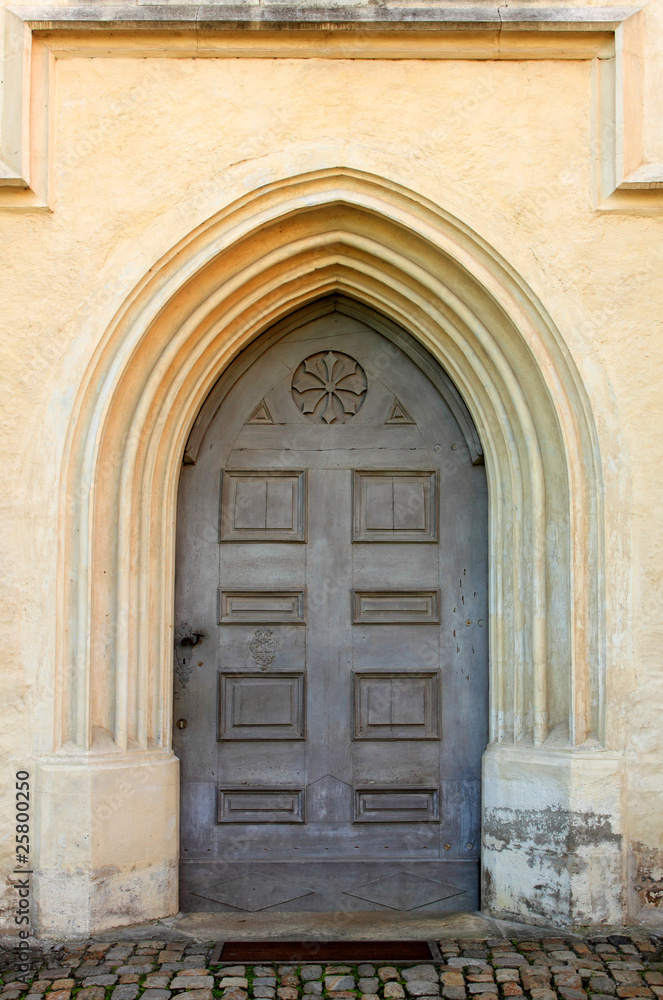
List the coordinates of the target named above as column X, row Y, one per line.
column 331, row 682
column 334, row 230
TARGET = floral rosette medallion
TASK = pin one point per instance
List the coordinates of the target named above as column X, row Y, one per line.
column 329, row 387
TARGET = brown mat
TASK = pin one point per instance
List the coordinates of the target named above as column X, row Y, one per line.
column 325, row 951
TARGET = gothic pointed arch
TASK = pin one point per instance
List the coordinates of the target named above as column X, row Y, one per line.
column 282, row 247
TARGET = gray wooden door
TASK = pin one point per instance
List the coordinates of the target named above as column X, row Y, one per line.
column 331, row 625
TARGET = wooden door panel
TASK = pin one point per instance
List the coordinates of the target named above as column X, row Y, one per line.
column 336, row 704
column 263, row 506
column 396, row 706
column 392, row 607
column 414, row 804
column 398, row 506
column 270, row 607
column 260, row 805
column 262, row 707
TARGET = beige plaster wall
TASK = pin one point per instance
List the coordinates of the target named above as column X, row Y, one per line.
column 144, row 150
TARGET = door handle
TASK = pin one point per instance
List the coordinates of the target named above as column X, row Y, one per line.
column 192, row 639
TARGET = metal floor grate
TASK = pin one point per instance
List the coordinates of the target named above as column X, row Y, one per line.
column 325, row 951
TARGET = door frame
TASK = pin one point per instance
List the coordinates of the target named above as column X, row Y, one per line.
column 286, row 244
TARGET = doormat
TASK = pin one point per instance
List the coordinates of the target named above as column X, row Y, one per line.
column 325, row 951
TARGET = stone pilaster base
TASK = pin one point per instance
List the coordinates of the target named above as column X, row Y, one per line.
column 107, row 841
column 553, row 837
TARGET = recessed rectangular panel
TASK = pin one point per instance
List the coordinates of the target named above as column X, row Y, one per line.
column 394, row 607
column 266, row 607
column 260, row 805
column 261, row 706
column 391, row 506
column 396, row 706
column 267, row 506
column 396, row 805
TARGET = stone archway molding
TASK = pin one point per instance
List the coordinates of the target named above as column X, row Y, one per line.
column 279, row 248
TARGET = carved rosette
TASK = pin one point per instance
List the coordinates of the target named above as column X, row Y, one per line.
column 263, row 646
column 329, row 387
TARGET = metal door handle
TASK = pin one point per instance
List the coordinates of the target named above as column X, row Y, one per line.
column 192, row 639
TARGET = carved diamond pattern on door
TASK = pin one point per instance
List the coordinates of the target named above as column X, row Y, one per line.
column 337, row 712
column 253, row 892
column 404, row 891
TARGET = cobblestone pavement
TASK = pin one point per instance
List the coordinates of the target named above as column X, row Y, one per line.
column 605, row 968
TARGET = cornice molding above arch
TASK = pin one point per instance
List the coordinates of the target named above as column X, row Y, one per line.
column 35, row 37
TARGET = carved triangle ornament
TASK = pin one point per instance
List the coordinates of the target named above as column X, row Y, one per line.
column 261, row 414
column 398, row 414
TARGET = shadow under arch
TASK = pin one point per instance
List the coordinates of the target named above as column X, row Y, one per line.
column 330, row 232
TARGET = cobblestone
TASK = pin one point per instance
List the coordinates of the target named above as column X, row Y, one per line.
column 420, row 972
column 606, row 967
column 387, row 972
column 334, row 984
column 422, row 988
column 129, row 991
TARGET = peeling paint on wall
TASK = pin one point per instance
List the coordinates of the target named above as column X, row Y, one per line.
column 648, row 874
column 562, row 862
column 550, row 829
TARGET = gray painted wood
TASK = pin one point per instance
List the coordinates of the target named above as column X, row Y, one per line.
column 332, row 552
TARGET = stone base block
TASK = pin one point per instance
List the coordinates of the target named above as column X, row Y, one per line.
column 553, row 838
column 107, row 839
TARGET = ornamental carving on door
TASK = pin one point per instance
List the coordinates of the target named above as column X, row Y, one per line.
column 263, row 646
column 329, row 387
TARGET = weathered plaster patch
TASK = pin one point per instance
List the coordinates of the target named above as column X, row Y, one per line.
column 648, row 874
column 548, row 829
column 551, row 862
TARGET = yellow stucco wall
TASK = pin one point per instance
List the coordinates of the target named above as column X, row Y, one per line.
column 144, row 150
